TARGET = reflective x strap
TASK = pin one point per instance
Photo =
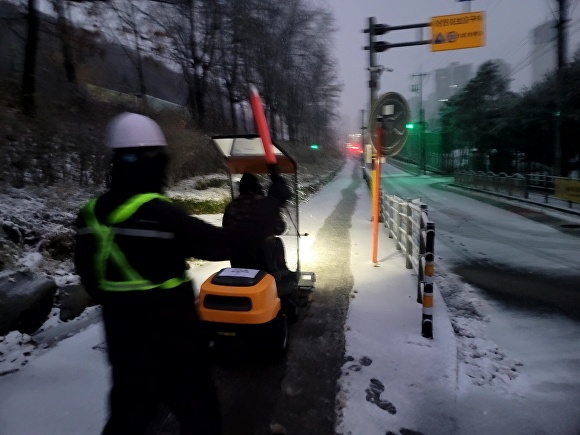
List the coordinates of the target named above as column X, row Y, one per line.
column 108, row 248
column 174, row 282
column 126, row 210
column 132, row 232
column 142, row 285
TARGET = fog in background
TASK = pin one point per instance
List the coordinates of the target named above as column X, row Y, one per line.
column 508, row 36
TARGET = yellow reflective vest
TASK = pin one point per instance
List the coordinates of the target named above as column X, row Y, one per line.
column 109, row 251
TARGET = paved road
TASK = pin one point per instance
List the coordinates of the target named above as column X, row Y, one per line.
column 531, row 261
column 523, row 266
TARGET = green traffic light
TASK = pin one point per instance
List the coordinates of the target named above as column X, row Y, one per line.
column 314, row 146
column 409, row 126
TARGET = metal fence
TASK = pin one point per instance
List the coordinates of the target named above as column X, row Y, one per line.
column 498, row 183
column 408, row 223
column 561, row 192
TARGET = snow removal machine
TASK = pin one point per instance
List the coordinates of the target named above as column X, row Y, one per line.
column 251, row 306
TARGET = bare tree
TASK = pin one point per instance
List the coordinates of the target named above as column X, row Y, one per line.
column 29, row 72
column 133, row 24
column 288, row 57
column 65, row 37
column 28, row 92
column 192, row 28
column 230, row 56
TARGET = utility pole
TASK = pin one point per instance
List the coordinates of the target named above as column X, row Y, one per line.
column 373, row 71
column 362, row 138
column 374, row 47
column 467, row 7
column 562, row 44
column 419, row 88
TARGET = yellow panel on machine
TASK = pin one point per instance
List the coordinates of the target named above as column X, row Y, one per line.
column 239, row 296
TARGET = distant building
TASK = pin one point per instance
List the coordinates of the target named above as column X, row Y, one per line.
column 448, row 81
column 451, row 79
column 432, row 106
column 544, row 39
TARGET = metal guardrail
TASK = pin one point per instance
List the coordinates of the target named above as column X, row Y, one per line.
column 500, row 183
column 561, row 192
column 408, row 223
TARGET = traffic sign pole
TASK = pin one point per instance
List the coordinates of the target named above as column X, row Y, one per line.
column 454, row 32
column 387, row 131
column 448, row 32
column 376, row 193
column 373, row 76
column 396, row 133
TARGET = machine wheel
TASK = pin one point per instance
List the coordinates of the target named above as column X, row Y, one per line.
column 279, row 343
column 290, row 307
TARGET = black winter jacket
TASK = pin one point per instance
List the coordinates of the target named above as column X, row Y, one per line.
column 156, row 241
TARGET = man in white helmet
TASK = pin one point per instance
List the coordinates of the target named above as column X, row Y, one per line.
column 131, row 251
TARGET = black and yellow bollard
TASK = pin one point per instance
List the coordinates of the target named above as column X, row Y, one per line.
column 427, row 321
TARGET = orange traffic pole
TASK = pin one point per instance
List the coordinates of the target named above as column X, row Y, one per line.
column 261, row 124
column 376, row 191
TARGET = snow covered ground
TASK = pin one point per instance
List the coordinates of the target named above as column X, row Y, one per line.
column 394, row 381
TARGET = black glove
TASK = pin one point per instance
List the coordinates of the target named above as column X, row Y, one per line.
column 280, row 191
column 274, row 171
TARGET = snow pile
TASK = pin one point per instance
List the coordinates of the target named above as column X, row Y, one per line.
column 18, row 349
column 15, row 350
column 205, row 188
column 481, row 362
column 37, row 226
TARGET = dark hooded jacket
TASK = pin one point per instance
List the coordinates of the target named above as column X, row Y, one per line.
column 261, row 212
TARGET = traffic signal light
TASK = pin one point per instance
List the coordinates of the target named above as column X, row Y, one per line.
column 313, row 146
column 410, row 126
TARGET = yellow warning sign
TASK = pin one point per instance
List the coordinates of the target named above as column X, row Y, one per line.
column 453, row 32
column 568, row 190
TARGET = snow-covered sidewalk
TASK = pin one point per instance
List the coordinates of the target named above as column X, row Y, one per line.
column 394, row 378
column 62, row 392
column 394, row 381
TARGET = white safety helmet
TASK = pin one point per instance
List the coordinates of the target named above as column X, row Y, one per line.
column 130, row 130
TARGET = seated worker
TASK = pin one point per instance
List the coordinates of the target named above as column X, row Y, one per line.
column 253, row 207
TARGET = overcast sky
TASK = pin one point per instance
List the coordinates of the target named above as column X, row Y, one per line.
column 508, row 27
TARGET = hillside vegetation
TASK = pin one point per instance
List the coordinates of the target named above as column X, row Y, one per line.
column 61, row 81
column 56, row 160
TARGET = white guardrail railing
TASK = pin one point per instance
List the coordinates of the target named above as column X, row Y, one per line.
column 408, row 223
